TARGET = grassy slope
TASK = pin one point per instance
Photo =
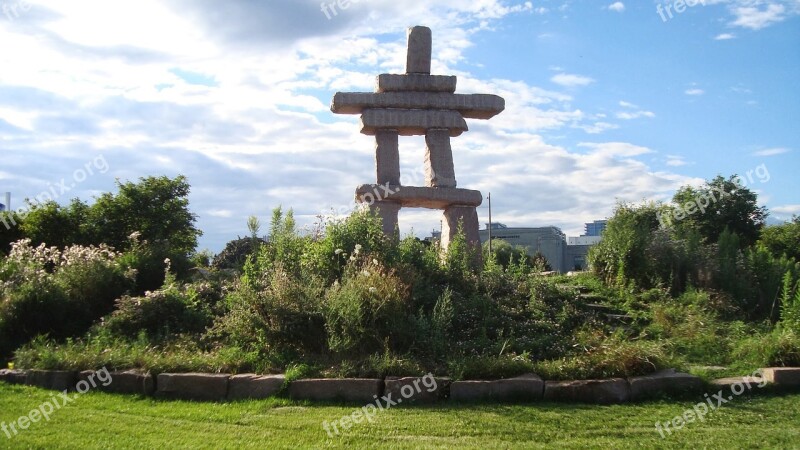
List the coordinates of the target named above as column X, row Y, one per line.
column 98, row 420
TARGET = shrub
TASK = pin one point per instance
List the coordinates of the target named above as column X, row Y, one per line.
column 45, row 290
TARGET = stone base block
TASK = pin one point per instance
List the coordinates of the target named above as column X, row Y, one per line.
column 604, row 392
column 782, row 376
column 254, row 387
column 668, row 382
column 57, row 380
column 192, row 386
column 358, row 390
column 388, row 212
column 127, row 382
column 417, row 389
column 519, row 389
column 13, row 376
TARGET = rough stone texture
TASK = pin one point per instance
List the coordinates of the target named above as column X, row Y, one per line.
column 389, row 82
column 418, row 197
column 666, row 382
column 522, row 388
column 468, row 217
column 360, row 390
column 412, row 122
column 748, row 383
column 57, row 380
column 13, row 376
column 192, row 386
column 782, row 376
column 388, row 212
column 387, row 156
column 473, row 106
column 420, row 47
column 250, row 386
column 127, row 382
column 604, row 392
column 439, row 170
column 416, row 391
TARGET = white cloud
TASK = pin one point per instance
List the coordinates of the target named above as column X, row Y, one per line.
column 676, row 161
column 772, row 151
column 754, row 18
column 617, row 7
column 625, row 115
column 625, row 104
column 786, row 209
column 570, row 80
column 694, row 91
column 724, row 37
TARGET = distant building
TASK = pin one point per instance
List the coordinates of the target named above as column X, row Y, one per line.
column 595, row 228
column 584, row 240
column 6, row 205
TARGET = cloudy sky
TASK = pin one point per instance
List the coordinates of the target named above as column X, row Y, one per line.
column 606, row 101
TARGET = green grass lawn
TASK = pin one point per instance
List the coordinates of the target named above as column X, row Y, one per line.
column 97, row 420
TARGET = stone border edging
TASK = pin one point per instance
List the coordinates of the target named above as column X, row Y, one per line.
column 525, row 388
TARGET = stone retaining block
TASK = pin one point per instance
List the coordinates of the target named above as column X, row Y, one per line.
column 127, row 382
column 523, row 388
column 359, row 390
column 604, row 392
column 192, row 386
column 414, row 390
column 249, row 386
column 57, row 380
column 665, row 382
column 13, row 376
column 782, row 376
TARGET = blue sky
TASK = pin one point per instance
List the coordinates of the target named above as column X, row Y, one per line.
column 606, row 101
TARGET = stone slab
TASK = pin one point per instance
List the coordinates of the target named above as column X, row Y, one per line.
column 742, row 384
column 414, row 389
column 782, row 376
column 358, row 390
column 13, row 376
column 667, row 382
column 250, row 386
column 472, row 106
column 420, row 49
column 192, row 386
column 412, row 122
column 126, row 382
column 388, row 212
column 467, row 217
column 57, row 380
column 418, row 197
column 523, row 388
column 389, row 82
column 604, row 392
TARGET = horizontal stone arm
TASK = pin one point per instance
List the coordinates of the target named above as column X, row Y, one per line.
column 412, row 122
column 418, row 197
column 474, row 106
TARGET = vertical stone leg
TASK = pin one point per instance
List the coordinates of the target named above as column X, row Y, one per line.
column 388, row 212
column 439, row 170
column 387, row 157
column 468, row 217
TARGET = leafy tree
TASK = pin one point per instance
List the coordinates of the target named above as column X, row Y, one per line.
column 156, row 207
column 783, row 239
column 58, row 226
column 718, row 204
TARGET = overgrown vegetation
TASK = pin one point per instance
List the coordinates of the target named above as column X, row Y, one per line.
column 348, row 301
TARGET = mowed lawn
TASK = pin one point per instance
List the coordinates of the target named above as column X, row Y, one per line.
column 97, row 420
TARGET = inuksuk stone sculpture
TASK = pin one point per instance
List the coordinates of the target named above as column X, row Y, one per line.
column 418, row 103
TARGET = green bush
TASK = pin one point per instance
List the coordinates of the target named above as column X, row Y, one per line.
column 44, row 290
